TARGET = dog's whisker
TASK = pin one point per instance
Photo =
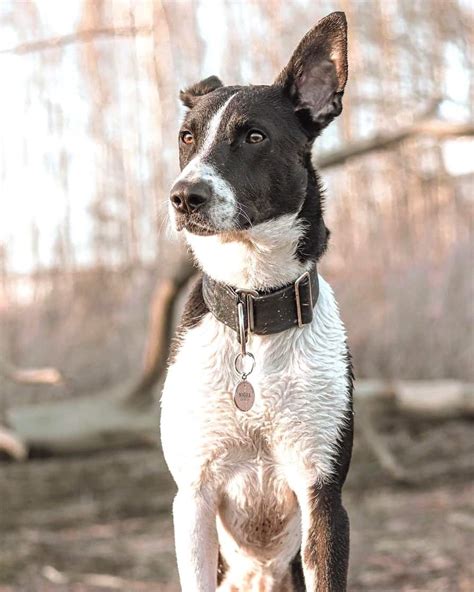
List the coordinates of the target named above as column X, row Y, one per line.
column 243, row 213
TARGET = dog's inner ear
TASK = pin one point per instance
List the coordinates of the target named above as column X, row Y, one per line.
column 191, row 95
column 316, row 74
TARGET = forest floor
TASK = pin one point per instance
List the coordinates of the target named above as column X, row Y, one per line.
column 103, row 522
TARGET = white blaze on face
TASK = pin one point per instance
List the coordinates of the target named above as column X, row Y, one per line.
column 223, row 208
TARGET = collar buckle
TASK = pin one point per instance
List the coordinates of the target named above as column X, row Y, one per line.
column 299, row 310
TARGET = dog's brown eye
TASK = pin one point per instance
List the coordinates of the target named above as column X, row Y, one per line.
column 255, row 137
column 187, row 137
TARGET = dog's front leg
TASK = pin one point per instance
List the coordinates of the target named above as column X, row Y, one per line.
column 194, row 516
column 325, row 541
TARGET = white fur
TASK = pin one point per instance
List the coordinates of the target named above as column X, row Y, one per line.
column 260, row 258
column 195, row 539
column 240, row 470
column 224, row 205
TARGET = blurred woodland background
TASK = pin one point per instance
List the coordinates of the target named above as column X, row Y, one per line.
column 91, row 282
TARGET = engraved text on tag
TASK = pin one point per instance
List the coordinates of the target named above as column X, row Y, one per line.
column 244, row 396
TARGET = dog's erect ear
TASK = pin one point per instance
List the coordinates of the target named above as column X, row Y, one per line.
column 191, row 95
column 316, row 74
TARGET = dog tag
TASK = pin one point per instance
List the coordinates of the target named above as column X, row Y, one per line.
column 244, row 396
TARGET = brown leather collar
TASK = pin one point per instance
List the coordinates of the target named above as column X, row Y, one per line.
column 264, row 313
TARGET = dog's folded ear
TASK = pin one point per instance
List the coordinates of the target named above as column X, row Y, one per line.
column 316, row 74
column 191, row 95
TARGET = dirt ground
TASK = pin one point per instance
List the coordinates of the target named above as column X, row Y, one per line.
column 103, row 522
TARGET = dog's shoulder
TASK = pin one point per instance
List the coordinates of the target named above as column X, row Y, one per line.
column 194, row 311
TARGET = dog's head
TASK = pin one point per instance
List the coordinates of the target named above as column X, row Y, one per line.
column 245, row 151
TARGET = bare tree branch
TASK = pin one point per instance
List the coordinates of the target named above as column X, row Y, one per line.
column 84, row 36
column 430, row 127
column 30, row 376
column 378, row 446
column 160, row 330
column 12, row 445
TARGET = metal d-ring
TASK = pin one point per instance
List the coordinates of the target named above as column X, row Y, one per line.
column 244, row 357
column 241, row 359
column 242, row 330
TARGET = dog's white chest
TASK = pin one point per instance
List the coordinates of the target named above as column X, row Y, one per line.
column 252, row 463
column 301, row 398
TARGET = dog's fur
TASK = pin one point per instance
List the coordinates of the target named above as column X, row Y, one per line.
column 258, row 506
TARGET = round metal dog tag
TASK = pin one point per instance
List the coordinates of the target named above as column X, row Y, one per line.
column 244, row 396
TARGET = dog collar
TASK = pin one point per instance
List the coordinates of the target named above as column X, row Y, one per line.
column 263, row 313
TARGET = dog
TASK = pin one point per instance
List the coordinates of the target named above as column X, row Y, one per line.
column 256, row 417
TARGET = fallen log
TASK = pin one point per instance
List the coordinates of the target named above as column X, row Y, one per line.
column 107, row 420
column 431, row 399
column 84, row 424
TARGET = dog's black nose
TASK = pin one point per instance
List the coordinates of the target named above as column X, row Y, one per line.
column 188, row 197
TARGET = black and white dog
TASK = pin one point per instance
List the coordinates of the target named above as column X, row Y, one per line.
column 260, row 459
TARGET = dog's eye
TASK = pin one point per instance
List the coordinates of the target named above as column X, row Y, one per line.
column 255, row 137
column 186, row 137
